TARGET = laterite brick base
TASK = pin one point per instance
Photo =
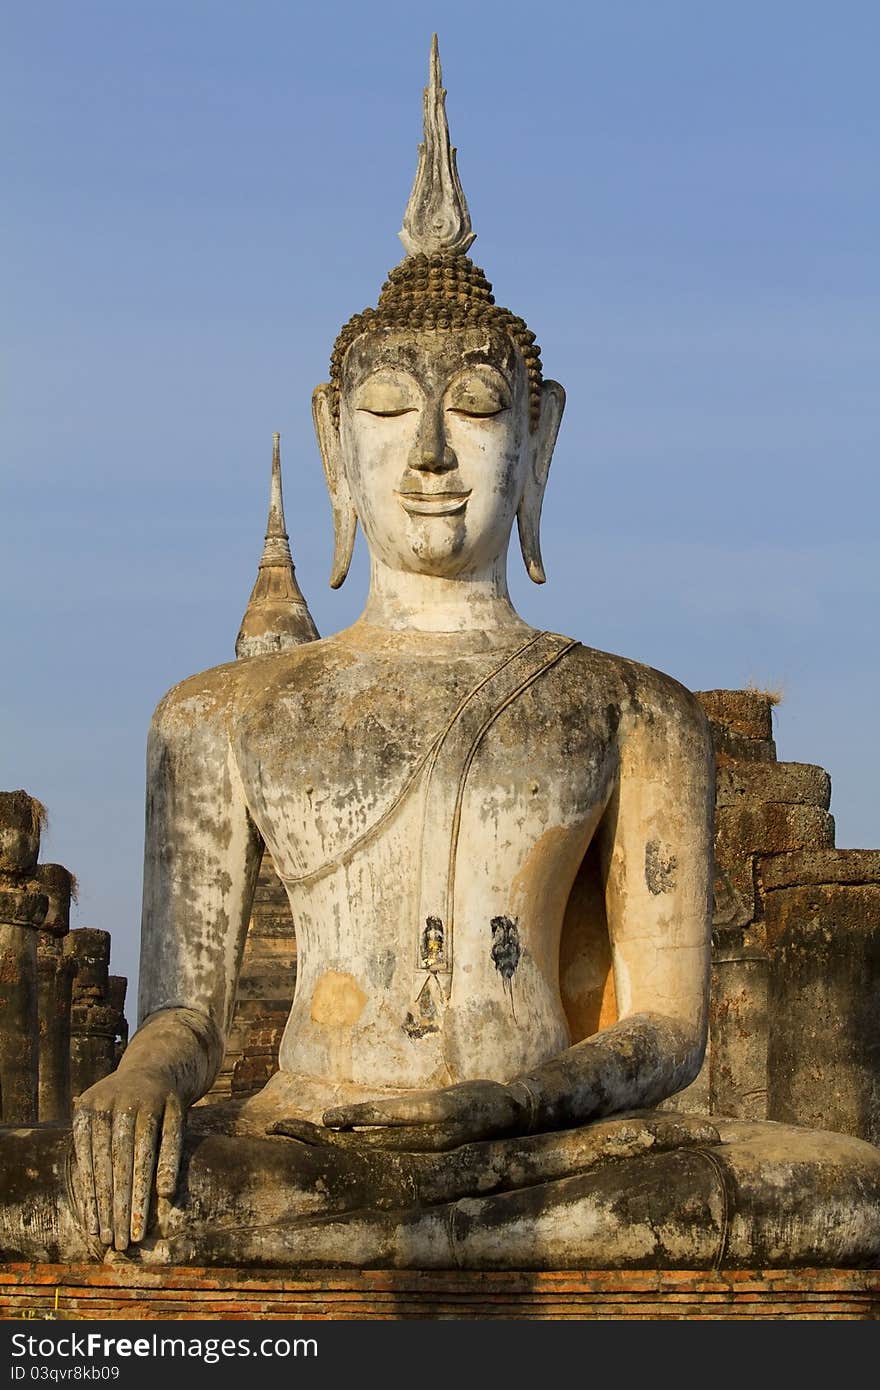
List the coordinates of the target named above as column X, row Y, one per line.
column 130, row 1291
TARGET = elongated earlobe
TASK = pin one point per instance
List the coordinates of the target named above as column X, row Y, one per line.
column 344, row 514
column 528, row 516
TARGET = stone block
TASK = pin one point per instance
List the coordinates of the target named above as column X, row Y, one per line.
column 250, row 1074
column 278, row 986
column 733, row 902
column 735, row 748
column 250, row 1010
column 738, row 1026
column 770, row 828
column 21, row 819
column 816, row 866
column 90, row 948
column 269, row 952
column 735, row 894
column 824, row 1001
column 790, row 783
column 92, row 1053
column 54, row 984
column 834, row 912
column 744, row 712
column 18, row 1024
column 22, row 902
column 261, row 1037
column 57, row 883
column 271, row 923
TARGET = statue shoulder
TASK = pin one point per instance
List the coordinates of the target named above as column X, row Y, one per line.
column 217, row 695
column 640, row 695
column 197, row 698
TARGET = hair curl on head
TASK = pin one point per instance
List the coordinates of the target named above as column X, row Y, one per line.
column 445, row 291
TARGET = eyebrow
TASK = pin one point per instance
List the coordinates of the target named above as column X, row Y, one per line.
column 469, row 365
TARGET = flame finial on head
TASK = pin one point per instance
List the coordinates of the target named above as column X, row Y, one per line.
column 436, row 220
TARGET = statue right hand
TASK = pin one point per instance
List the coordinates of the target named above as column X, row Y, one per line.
column 127, row 1131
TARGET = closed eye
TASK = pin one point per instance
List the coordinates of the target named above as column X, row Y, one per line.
column 477, row 413
column 388, row 413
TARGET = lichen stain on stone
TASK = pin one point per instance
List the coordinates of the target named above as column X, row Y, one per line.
column 423, row 1018
column 659, row 868
column 338, row 1000
column 506, row 951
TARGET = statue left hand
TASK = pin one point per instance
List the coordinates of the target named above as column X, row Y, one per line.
column 425, row 1121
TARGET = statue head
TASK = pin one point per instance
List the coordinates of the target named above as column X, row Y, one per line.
column 437, row 427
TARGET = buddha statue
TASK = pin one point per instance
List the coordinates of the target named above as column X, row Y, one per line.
column 433, row 783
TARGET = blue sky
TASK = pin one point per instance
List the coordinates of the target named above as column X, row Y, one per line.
column 680, row 198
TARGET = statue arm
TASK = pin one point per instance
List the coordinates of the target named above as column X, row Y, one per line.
column 202, row 856
column 656, row 842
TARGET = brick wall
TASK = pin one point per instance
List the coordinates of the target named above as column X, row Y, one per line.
column 129, row 1291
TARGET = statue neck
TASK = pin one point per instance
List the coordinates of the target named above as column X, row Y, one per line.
column 402, row 601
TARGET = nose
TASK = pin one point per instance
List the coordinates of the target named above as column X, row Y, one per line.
column 431, row 451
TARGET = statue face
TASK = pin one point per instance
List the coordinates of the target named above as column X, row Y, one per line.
column 434, row 437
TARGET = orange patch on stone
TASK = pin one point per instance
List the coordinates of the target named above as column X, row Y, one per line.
column 535, row 891
column 338, row 1000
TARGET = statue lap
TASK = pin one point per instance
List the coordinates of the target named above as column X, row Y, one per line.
column 651, row 1190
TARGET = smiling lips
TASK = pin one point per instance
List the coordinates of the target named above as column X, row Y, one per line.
column 433, row 503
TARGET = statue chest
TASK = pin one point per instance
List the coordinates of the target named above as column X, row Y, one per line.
column 428, row 822
column 341, row 751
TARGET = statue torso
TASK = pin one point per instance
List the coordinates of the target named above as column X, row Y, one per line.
column 334, row 743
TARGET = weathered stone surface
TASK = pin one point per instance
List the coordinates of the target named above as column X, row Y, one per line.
column 647, row 1191
column 23, row 909
column 18, row 1024
column 55, row 972
column 770, row 828
column 738, row 1024
column 436, row 220
column 839, row 911
column 730, row 907
column 745, row 712
column 735, row 902
column 734, row 748
column 90, row 948
column 93, row 1019
column 57, row 883
column 21, row 820
column 792, row 783
column 740, row 724
column 275, row 987
column 117, row 986
column 824, row 1056
column 22, row 901
column 252, row 1070
column 814, row 866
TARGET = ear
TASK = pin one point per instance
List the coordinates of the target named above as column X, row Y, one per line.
column 541, row 442
column 344, row 514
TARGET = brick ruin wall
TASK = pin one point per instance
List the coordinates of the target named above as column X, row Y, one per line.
column 794, row 1032
column 265, row 991
column 62, row 1014
column 795, row 986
